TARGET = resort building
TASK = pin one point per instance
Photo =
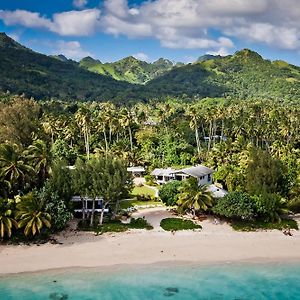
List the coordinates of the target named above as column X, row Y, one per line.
column 202, row 173
column 86, row 204
column 136, row 171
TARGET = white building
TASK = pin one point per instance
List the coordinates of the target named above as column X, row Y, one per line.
column 202, row 173
column 136, row 171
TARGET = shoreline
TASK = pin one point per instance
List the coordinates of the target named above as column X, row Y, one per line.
column 116, row 268
column 139, row 247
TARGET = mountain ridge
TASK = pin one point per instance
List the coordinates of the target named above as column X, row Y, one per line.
column 243, row 75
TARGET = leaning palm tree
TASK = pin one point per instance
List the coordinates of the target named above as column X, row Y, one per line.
column 39, row 156
column 194, row 197
column 13, row 168
column 31, row 215
column 6, row 219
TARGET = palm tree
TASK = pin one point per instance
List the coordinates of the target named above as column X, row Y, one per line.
column 39, row 155
column 50, row 127
column 31, row 215
column 194, row 197
column 194, row 117
column 84, row 119
column 6, row 219
column 127, row 121
column 13, row 167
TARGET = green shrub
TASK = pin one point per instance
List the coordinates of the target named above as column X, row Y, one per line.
column 115, row 226
column 270, row 207
column 294, row 205
column 140, row 223
column 169, row 192
column 236, row 205
column 175, row 224
column 239, row 225
column 150, row 180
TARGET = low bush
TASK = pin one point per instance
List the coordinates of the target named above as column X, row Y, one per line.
column 150, row 180
column 175, row 224
column 169, row 192
column 294, row 206
column 115, row 226
column 261, row 225
column 236, row 205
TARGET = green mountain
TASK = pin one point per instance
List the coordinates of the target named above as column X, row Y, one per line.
column 208, row 57
column 128, row 69
column 243, row 75
column 42, row 77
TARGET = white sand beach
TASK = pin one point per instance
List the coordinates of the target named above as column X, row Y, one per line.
column 215, row 243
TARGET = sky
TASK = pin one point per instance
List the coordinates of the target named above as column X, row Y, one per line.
column 180, row 30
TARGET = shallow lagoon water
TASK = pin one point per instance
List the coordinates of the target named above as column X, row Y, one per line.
column 216, row 282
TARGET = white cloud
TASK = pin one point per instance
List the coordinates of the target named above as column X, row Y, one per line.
column 71, row 49
column 222, row 51
column 141, row 56
column 178, row 23
column 80, row 3
column 71, row 23
column 76, row 23
column 24, row 18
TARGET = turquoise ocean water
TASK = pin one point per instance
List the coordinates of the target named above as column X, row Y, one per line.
column 234, row 282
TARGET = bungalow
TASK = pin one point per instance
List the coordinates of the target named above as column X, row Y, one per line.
column 136, row 171
column 202, row 173
column 163, row 175
column 85, row 204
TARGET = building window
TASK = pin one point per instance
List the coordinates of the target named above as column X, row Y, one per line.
column 209, row 177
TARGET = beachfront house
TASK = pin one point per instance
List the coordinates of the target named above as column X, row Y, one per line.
column 136, row 171
column 202, row 173
column 85, row 204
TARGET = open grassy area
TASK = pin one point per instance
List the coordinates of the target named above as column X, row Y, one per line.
column 143, row 190
column 259, row 225
column 175, row 224
column 117, row 226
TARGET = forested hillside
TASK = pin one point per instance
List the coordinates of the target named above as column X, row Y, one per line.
column 244, row 75
column 128, row 69
column 42, row 77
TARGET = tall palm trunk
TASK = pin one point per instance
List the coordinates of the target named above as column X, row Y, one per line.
column 93, row 213
column 130, row 138
column 197, row 139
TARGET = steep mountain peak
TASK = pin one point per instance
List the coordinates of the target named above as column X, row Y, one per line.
column 90, row 59
column 206, row 57
column 163, row 62
column 88, row 62
column 60, row 57
column 8, row 42
column 129, row 59
column 248, row 54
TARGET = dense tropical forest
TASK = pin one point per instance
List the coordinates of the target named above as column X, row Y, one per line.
column 253, row 146
column 244, row 75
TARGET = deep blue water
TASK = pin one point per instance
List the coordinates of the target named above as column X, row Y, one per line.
column 234, row 282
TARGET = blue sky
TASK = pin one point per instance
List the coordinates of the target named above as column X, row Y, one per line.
column 180, row 30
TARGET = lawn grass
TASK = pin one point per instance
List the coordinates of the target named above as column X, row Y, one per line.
column 258, row 225
column 143, row 190
column 117, row 226
column 175, row 224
